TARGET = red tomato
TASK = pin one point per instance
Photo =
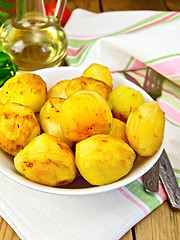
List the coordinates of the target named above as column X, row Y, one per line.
column 50, row 8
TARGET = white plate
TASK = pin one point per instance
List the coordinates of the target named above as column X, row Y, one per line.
column 79, row 186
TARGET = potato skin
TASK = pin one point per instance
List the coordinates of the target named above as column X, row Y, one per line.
column 83, row 114
column 145, row 128
column 50, row 119
column 102, row 159
column 27, row 89
column 123, row 100
column 118, row 130
column 100, row 72
column 18, row 126
column 86, row 83
column 58, row 90
column 46, row 160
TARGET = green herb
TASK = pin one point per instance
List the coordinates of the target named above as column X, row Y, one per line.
column 4, row 4
column 7, row 68
column 4, row 15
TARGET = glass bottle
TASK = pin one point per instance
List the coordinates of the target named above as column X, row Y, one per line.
column 33, row 40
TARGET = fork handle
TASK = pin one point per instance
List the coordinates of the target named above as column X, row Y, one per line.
column 151, row 178
column 169, row 181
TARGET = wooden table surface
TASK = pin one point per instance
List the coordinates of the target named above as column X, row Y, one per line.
column 163, row 223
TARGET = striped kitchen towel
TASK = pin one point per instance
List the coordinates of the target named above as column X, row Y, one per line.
column 125, row 40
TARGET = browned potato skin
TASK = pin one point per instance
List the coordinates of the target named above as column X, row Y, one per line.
column 47, row 160
column 85, row 83
column 145, row 128
column 83, row 114
column 58, row 90
column 50, row 119
column 18, row 126
column 102, row 159
column 27, row 89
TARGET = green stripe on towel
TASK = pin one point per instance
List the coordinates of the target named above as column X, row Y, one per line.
column 149, row 199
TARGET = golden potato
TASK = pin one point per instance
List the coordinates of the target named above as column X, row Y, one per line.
column 83, row 114
column 18, row 126
column 123, row 100
column 86, row 83
column 99, row 72
column 145, row 128
column 27, row 89
column 58, row 90
column 46, row 160
column 103, row 159
column 118, row 130
column 50, row 119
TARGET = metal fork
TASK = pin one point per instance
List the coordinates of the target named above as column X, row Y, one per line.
column 153, row 86
column 162, row 168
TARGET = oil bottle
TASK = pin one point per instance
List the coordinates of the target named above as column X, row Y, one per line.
column 33, row 40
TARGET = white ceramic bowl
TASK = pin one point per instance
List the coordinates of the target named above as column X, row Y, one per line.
column 79, row 186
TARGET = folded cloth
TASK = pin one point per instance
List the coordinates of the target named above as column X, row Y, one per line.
column 36, row 215
column 125, row 40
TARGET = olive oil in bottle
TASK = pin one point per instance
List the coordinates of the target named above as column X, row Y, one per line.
column 33, row 40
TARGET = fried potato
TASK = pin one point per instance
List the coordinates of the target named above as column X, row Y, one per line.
column 99, row 72
column 86, row 83
column 58, row 90
column 145, row 128
column 18, row 126
column 118, row 130
column 27, row 89
column 46, row 160
column 103, row 159
column 123, row 100
column 50, row 119
column 83, row 114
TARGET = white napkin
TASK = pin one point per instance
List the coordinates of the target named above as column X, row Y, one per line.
column 106, row 216
column 40, row 216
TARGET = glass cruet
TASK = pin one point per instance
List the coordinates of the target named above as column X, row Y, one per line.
column 34, row 40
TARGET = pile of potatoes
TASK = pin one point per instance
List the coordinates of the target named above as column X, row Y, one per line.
column 79, row 125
